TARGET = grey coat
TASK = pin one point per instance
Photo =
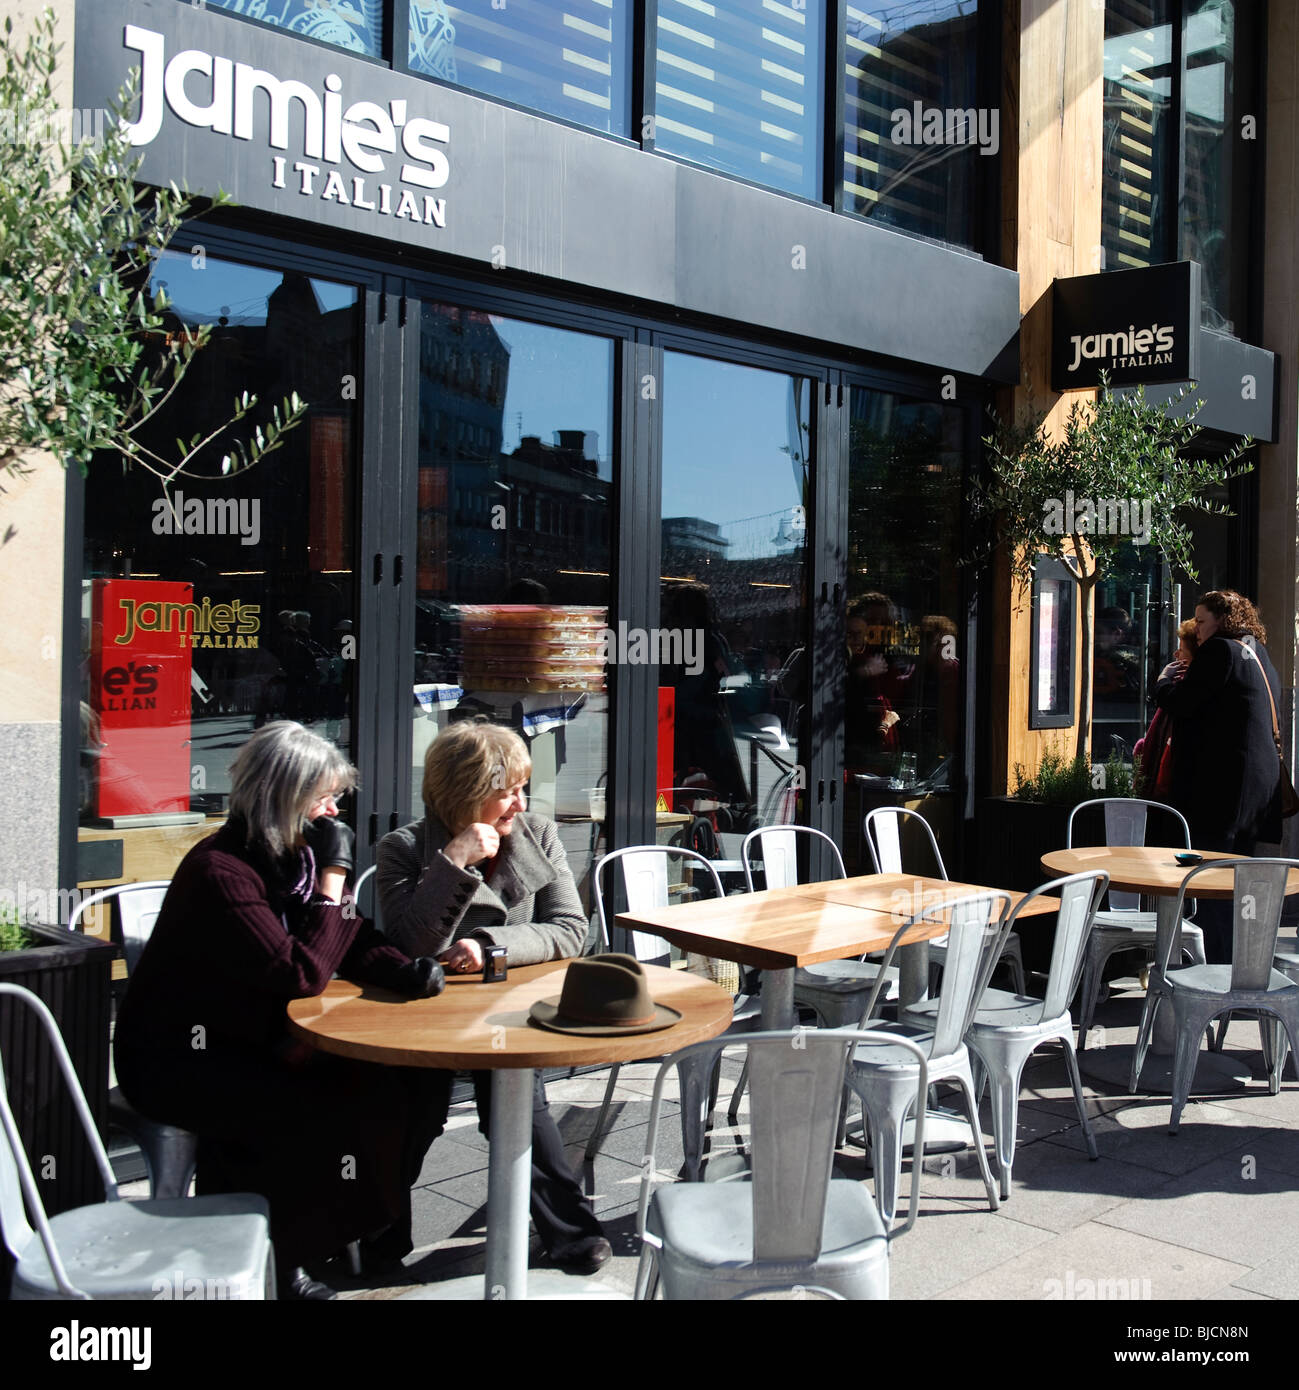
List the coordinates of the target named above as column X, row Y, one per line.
column 531, row 907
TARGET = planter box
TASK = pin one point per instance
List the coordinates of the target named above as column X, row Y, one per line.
column 1012, row 837
column 71, row 973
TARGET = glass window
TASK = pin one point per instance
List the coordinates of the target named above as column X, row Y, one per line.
column 916, row 144
column 1211, row 123
column 509, row 615
column 1139, row 134
column 738, row 87
column 733, row 667
column 221, row 601
column 352, row 24
column 568, row 58
column 905, row 624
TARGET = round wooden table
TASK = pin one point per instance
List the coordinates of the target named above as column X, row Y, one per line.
column 1153, row 870
column 479, row 1027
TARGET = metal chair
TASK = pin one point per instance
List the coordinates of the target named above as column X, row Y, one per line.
column 882, row 829
column 1200, row 993
column 1008, row 1028
column 837, row 990
column 645, row 885
column 788, row 1220
column 882, row 1075
column 1123, row 926
column 198, row 1247
column 170, row 1154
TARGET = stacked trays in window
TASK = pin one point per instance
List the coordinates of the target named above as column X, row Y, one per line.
column 532, row 647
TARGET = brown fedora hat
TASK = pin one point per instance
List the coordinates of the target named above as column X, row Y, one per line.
column 604, row 995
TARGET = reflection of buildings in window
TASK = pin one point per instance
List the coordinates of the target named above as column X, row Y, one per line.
column 432, row 40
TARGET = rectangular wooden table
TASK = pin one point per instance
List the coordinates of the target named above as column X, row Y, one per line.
column 780, row 930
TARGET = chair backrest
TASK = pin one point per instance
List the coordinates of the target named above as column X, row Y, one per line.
column 775, row 847
column 137, row 906
column 644, row 873
column 1125, row 824
column 1080, row 898
column 883, row 830
column 796, row 1086
column 362, row 886
column 16, row 1178
column 1259, row 889
column 978, row 929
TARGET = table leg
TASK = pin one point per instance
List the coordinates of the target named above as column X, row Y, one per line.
column 913, row 973
column 509, row 1184
column 777, row 1000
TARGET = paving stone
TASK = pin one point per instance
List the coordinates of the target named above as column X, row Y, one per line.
column 1139, row 1134
column 1272, row 1279
column 1220, row 1209
column 1096, row 1262
column 951, row 1244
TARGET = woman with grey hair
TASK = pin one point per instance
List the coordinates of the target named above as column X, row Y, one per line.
column 477, row 871
column 255, row 916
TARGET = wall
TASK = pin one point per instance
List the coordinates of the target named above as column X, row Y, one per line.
column 31, row 626
column 1051, row 220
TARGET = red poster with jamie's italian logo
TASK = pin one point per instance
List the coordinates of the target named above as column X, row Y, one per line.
column 140, row 691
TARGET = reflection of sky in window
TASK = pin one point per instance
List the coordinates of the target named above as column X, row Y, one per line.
column 557, row 380
column 726, row 432
column 1142, row 50
column 217, row 288
column 1208, row 43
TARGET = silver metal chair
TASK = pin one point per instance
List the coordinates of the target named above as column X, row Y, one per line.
column 788, row 1220
column 198, row 1247
column 1008, row 1028
column 645, row 885
column 882, row 829
column 882, row 1075
column 170, row 1154
column 1123, row 926
column 836, row 990
column 1200, row 993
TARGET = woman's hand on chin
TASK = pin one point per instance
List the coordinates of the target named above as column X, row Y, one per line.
column 475, row 843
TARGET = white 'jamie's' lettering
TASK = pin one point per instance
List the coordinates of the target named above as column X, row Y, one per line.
column 361, row 134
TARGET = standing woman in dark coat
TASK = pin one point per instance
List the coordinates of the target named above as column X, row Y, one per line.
column 1226, row 777
column 253, row 919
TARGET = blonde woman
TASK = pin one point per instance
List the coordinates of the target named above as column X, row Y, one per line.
column 479, row 870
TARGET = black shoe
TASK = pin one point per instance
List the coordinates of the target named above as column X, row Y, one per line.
column 585, row 1257
column 296, row 1285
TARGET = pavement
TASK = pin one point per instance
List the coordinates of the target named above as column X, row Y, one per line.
column 1207, row 1214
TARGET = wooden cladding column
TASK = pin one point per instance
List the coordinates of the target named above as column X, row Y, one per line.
column 1051, row 226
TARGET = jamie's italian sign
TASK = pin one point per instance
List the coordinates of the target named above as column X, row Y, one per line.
column 140, row 694
column 278, row 124
column 1137, row 326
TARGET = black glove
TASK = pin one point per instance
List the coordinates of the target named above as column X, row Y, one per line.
column 332, row 842
column 422, row 978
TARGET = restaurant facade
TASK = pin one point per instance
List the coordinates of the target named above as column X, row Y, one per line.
column 647, row 346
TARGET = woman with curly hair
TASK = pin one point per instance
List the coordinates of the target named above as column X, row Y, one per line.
column 1226, row 779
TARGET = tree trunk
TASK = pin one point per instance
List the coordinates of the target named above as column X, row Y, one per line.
column 1086, row 593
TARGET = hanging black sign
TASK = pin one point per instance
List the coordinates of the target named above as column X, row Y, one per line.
column 1136, row 326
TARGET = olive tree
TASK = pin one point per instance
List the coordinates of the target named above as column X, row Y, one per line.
column 87, row 356
column 1121, row 469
